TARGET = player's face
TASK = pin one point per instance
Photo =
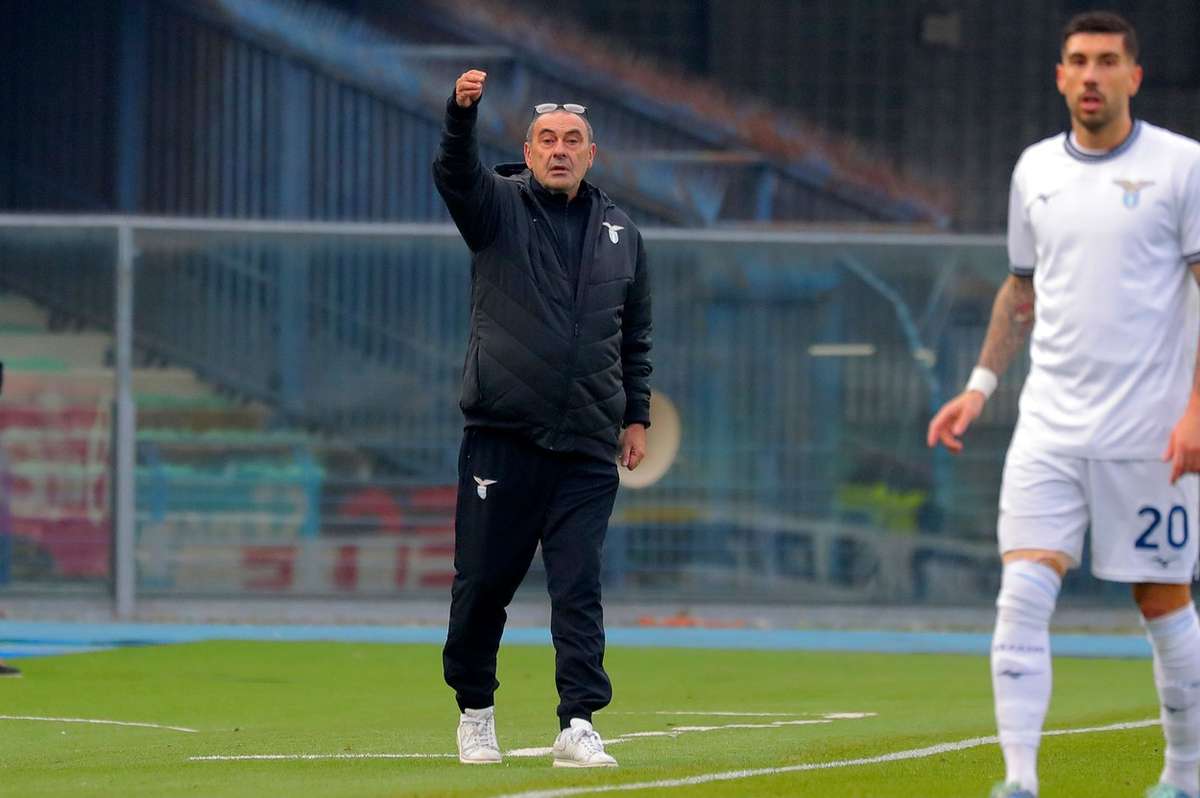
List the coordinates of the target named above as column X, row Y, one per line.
column 559, row 152
column 1097, row 77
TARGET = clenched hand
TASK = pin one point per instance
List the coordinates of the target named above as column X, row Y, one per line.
column 468, row 89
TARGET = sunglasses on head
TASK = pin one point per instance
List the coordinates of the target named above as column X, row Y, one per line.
column 570, row 108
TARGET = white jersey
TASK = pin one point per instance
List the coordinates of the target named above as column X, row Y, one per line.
column 1108, row 239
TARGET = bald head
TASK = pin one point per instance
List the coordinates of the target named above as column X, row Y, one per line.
column 533, row 123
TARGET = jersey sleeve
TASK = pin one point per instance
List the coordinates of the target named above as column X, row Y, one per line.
column 1022, row 251
column 1189, row 223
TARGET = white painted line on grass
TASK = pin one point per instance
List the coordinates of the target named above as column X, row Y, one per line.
column 684, row 729
column 722, row 714
column 544, row 751
column 733, row 775
column 101, row 722
column 675, row 732
column 539, row 751
column 775, row 724
column 297, row 757
column 718, row 714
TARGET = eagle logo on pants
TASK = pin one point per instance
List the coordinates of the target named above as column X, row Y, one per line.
column 482, row 486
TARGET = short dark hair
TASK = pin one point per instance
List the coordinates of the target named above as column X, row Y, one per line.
column 1102, row 22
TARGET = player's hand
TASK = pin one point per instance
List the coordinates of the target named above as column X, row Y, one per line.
column 1183, row 448
column 948, row 426
column 633, row 446
column 469, row 87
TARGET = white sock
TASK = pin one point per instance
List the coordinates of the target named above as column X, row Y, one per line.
column 1021, row 664
column 478, row 714
column 1176, row 641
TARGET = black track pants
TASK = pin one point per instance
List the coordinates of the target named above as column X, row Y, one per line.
column 511, row 496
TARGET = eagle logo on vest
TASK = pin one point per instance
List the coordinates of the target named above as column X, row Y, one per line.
column 613, row 229
column 482, row 486
column 1133, row 191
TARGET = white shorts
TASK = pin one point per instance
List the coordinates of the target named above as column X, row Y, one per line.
column 1144, row 529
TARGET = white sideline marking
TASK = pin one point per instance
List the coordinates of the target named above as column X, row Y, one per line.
column 534, row 752
column 103, row 722
column 277, row 757
column 545, row 751
column 624, row 738
column 828, row 715
column 732, row 775
column 681, row 729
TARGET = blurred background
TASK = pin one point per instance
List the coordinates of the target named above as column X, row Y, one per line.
column 219, row 215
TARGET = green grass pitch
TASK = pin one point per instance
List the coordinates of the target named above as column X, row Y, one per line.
column 362, row 699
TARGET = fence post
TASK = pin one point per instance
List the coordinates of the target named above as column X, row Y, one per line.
column 124, row 434
column 131, row 106
column 294, row 116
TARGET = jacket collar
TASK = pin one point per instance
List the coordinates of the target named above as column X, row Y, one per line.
column 600, row 203
column 521, row 173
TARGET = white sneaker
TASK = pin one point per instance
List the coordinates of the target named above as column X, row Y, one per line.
column 581, row 747
column 477, row 737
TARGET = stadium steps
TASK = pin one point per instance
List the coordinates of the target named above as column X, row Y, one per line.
column 660, row 157
column 204, row 461
column 208, row 465
column 19, row 315
column 692, row 161
column 71, row 350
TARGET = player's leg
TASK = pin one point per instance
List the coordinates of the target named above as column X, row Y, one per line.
column 1171, row 624
column 571, row 548
column 1043, row 517
column 499, row 513
column 1145, row 534
column 1020, row 659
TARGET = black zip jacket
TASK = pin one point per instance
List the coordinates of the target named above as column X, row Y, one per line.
column 564, row 362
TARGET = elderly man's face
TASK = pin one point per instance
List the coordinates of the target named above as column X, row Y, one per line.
column 559, row 151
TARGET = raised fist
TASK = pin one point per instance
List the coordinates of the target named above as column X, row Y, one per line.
column 469, row 87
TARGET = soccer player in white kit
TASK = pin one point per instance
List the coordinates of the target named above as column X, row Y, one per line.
column 1104, row 246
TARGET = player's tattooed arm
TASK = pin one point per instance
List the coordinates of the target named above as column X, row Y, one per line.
column 1012, row 320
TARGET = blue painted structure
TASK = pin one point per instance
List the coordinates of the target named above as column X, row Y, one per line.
column 27, row 638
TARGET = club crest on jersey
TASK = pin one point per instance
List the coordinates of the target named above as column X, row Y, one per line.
column 1133, row 191
column 482, row 486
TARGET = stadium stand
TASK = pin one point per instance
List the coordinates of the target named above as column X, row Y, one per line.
column 225, row 500
column 277, row 108
column 318, row 373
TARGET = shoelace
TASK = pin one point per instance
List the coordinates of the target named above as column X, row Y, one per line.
column 481, row 733
column 590, row 740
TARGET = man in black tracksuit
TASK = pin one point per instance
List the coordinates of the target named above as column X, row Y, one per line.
column 555, row 388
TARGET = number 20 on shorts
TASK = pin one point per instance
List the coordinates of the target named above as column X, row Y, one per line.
column 1176, row 527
